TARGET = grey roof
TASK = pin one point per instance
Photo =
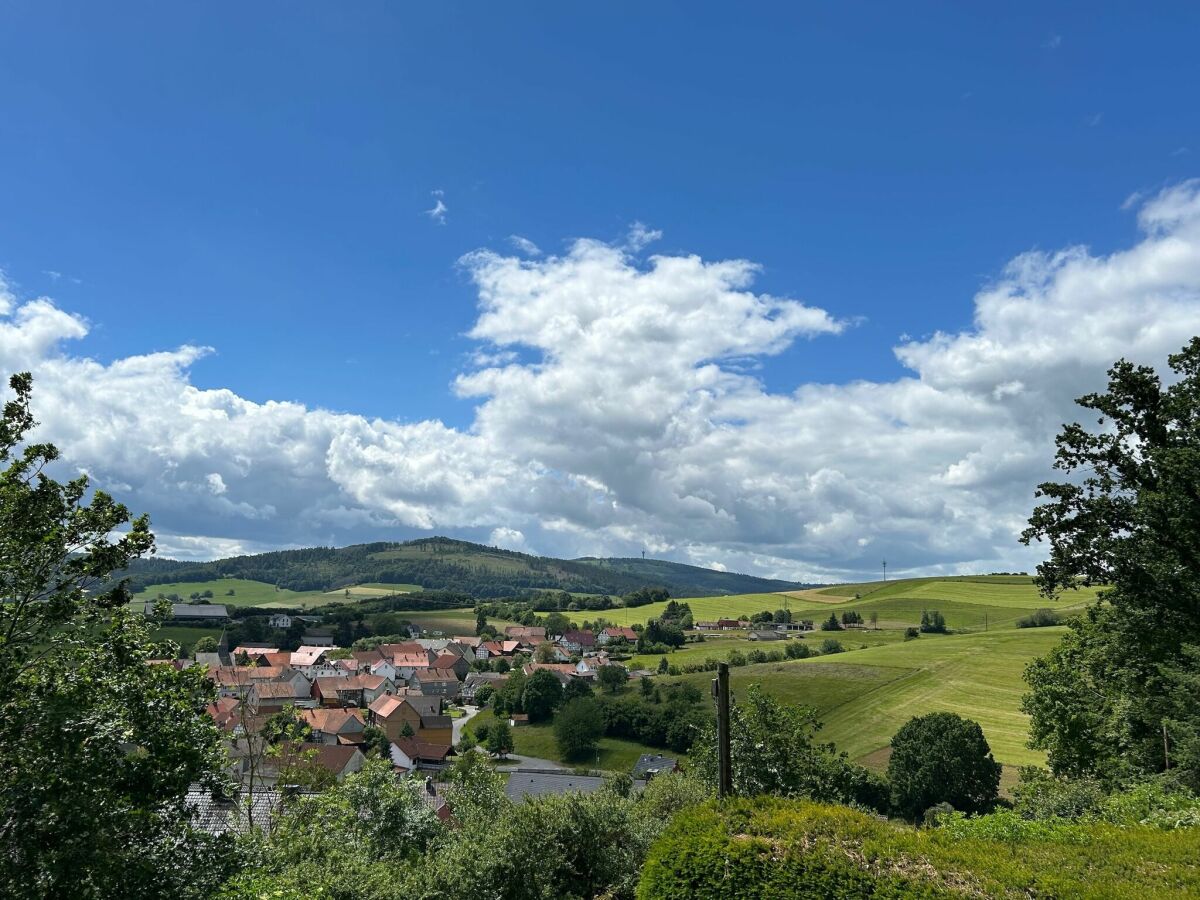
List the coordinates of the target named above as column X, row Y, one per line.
column 524, row 783
column 424, row 704
column 766, row 635
column 482, row 678
column 221, row 816
column 652, row 764
column 437, row 722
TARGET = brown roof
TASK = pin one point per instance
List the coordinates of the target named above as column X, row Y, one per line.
column 417, row 749
column 224, row 711
column 411, row 660
column 386, row 705
column 525, row 631
column 331, row 721
column 426, row 676
column 334, row 757
column 614, row 631
column 446, row 661
column 390, row 650
column 274, row 690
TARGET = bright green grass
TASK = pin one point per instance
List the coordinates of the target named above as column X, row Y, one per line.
column 184, row 635
column 614, row 754
column 246, row 593
column 370, row 590
column 707, row 608
column 964, row 601
column 975, row 675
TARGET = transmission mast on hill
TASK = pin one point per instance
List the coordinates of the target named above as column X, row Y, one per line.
column 885, row 570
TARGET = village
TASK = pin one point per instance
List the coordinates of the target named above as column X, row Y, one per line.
column 303, row 719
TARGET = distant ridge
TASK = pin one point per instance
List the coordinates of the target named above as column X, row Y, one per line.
column 440, row 563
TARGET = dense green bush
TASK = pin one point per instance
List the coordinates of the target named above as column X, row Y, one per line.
column 942, row 758
column 780, row 849
column 1040, row 618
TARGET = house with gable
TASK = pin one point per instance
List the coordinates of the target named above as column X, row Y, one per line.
column 410, row 754
column 615, row 633
column 331, row 725
column 435, row 682
column 577, row 641
column 455, row 663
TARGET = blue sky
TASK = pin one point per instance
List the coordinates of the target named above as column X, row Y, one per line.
column 254, row 178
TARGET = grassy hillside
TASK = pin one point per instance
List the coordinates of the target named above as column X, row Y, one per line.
column 965, row 602
column 245, row 593
column 864, row 696
column 450, row 565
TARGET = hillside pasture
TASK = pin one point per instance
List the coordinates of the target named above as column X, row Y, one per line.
column 864, row 696
column 370, row 591
column 245, row 593
column 965, row 602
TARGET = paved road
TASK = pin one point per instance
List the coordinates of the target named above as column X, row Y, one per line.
column 457, row 724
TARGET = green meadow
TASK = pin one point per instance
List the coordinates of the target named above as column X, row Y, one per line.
column 864, row 696
column 613, row 754
column 245, row 593
column 966, row 602
column 267, row 596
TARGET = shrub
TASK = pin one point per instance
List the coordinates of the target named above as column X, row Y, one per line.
column 788, row 850
column 911, row 634
column 942, row 758
column 932, row 622
column 484, row 694
column 832, row 623
column 831, row 645
column 1040, row 618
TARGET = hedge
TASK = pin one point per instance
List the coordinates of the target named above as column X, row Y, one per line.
column 772, row 849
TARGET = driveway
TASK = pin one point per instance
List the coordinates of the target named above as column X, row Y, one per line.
column 456, row 726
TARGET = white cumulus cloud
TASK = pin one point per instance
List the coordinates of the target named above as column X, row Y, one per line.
column 617, row 409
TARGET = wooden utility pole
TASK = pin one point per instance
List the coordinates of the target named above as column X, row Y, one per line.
column 724, row 762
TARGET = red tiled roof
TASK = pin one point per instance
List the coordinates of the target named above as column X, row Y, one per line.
column 331, row 721
column 614, row 631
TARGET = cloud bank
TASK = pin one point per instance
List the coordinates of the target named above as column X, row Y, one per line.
column 615, row 412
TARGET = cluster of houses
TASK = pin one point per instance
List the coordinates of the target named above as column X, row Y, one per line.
column 402, row 689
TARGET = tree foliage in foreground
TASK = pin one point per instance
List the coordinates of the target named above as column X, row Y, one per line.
column 373, row 838
column 97, row 748
column 774, row 751
column 1114, row 698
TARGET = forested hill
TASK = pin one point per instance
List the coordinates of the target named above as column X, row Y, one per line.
column 445, row 564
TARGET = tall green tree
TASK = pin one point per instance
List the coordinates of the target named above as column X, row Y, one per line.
column 541, row 695
column 97, row 747
column 1127, row 518
column 942, row 758
column 578, row 727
